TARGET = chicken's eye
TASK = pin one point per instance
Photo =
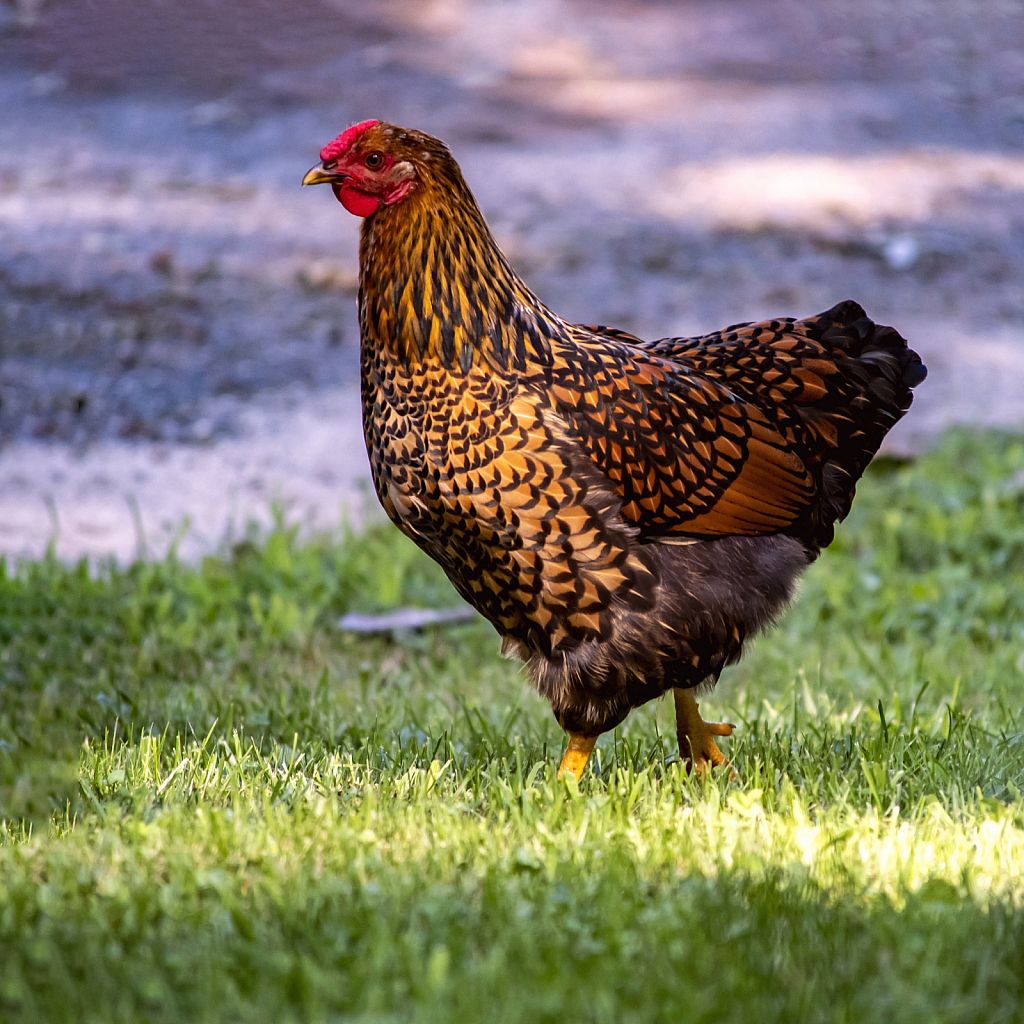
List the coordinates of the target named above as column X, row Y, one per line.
column 373, row 160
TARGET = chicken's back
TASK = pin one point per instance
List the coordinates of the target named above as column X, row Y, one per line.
column 849, row 378
column 759, row 429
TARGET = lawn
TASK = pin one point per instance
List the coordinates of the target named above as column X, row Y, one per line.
column 218, row 806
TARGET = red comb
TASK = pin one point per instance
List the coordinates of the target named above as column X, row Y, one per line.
column 334, row 149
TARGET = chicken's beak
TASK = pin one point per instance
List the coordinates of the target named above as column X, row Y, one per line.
column 320, row 176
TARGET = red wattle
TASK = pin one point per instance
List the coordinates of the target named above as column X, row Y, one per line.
column 359, row 203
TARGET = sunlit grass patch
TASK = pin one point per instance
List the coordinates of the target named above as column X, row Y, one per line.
column 213, row 878
column 410, row 810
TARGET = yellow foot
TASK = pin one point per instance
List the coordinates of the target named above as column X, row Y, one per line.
column 697, row 746
column 577, row 754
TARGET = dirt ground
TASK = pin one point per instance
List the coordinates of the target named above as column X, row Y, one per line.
column 178, row 346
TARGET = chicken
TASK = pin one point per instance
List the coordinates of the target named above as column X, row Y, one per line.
column 625, row 513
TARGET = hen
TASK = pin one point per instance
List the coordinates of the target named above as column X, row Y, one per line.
column 625, row 513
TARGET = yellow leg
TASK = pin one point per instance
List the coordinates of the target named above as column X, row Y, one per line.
column 577, row 754
column 696, row 737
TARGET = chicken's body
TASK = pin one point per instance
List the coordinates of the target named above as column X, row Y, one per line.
column 625, row 513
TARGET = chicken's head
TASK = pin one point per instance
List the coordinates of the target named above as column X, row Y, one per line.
column 366, row 168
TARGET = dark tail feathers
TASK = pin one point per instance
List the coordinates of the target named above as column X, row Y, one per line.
column 882, row 370
column 855, row 333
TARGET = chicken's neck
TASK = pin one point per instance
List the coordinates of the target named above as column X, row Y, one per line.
column 435, row 287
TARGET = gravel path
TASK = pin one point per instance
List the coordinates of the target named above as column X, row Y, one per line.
column 177, row 318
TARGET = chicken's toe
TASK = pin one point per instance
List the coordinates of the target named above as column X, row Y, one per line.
column 697, row 746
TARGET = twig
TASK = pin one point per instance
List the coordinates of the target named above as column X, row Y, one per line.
column 404, row 618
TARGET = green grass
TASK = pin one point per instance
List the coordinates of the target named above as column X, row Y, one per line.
column 218, row 807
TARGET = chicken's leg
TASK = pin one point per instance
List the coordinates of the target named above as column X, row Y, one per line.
column 576, row 755
column 696, row 737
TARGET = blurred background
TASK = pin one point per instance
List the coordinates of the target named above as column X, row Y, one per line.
column 178, row 339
